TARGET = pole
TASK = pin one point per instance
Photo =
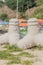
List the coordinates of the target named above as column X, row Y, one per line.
column 17, row 10
column 28, row 10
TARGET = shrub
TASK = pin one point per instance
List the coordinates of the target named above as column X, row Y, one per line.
column 40, row 16
column 1, row 3
column 38, row 13
column 4, row 16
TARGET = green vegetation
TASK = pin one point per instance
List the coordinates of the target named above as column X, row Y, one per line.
column 1, row 3
column 23, row 4
column 12, row 48
column 26, row 54
column 38, row 13
column 14, row 59
column 6, row 55
column 37, row 48
column 39, row 2
column 23, row 32
column 4, row 16
column 40, row 47
column 27, row 62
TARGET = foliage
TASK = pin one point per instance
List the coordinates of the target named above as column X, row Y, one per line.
column 3, row 16
column 32, row 3
column 1, row 3
column 38, row 13
column 40, row 16
column 22, row 4
column 39, row 2
column 11, row 3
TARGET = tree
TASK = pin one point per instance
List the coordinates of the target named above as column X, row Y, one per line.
column 22, row 4
column 11, row 3
column 1, row 3
column 31, row 3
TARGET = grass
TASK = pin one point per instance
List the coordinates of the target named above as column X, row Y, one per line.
column 26, row 54
column 27, row 62
column 7, row 56
column 12, row 48
column 38, row 48
column 16, row 61
column 4, row 55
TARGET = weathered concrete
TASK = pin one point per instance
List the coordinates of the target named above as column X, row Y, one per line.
column 38, row 39
column 13, row 32
column 12, row 37
column 28, row 40
column 4, row 38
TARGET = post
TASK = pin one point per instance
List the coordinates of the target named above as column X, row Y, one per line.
column 17, row 10
column 28, row 12
column 33, row 26
column 13, row 32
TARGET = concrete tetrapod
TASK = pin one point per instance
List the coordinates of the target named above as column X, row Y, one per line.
column 39, row 39
column 13, row 31
column 28, row 40
column 12, row 37
column 4, row 38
